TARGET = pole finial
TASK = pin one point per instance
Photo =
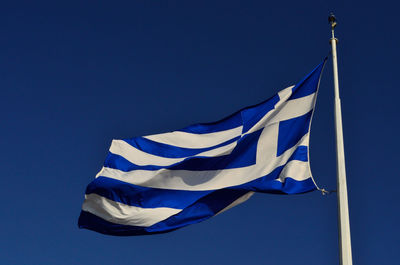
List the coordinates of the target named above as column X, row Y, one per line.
column 332, row 20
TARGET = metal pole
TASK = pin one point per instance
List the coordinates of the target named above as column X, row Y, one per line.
column 343, row 208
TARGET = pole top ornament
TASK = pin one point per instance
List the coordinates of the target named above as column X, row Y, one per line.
column 332, row 20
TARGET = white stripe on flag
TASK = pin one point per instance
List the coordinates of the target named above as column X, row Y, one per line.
column 119, row 213
column 192, row 140
column 286, row 109
column 295, row 169
column 294, row 108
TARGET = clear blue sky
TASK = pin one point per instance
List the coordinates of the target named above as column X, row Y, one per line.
column 75, row 75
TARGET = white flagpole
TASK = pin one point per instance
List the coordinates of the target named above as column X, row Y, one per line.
column 343, row 208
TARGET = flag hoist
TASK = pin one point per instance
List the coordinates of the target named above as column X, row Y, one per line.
column 343, row 208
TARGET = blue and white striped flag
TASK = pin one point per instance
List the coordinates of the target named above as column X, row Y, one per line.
column 158, row 183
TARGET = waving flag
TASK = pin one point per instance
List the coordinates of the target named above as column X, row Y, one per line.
column 158, row 183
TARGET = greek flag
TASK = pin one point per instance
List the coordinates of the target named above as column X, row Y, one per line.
column 162, row 182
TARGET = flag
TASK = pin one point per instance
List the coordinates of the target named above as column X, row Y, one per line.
column 162, row 182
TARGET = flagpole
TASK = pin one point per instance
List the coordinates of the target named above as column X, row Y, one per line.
column 343, row 208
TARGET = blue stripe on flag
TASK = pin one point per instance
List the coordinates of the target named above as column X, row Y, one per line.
column 247, row 117
column 244, row 154
column 119, row 162
column 95, row 223
column 309, row 84
column 269, row 184
column 300, row 154
column 203, row 209
column 230, row 122
column 170, row 151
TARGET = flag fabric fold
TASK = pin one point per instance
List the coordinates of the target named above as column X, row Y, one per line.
column 159, row 183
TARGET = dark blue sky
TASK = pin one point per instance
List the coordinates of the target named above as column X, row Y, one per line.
column 76, row 75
